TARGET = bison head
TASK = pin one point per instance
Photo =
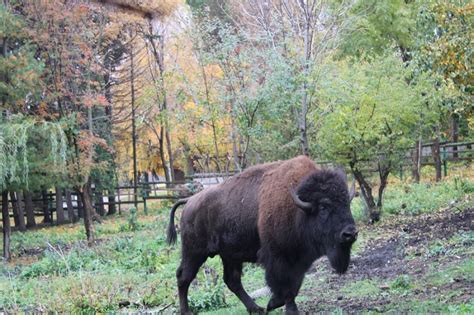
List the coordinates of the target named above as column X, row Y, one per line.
column 328, row 223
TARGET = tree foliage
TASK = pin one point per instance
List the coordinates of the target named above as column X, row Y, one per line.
column 370, row 113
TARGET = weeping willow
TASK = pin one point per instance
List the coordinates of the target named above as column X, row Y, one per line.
column 19, row 135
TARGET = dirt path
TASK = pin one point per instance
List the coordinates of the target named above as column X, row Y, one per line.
column 401, row 264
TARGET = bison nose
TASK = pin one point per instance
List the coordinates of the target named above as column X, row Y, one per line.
column 349, row 234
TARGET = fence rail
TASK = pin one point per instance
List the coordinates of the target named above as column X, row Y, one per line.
column 44, row 203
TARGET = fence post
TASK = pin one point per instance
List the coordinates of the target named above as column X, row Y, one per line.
column 445, row 161
column 144, row 203
column 119, row 200
column 50, row 205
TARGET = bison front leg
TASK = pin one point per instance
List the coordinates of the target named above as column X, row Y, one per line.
column 274, row 303
column 285, row 282
column 185, row 275
column 233, row 280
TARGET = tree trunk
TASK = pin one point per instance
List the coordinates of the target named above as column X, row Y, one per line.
column 80, row 204
column 383, row 176
column 455, row 135
column 94, row 215
column 21, row 210
column 134, row 132
column 60, row 219
column 235, row 150
column 70, row 208
column 16, row 215
column 158, row 53
column 29, row 209
column 6, row 226
column 45, row 204
column 88, row 210
column 416, row 161
column 111, row 199
column 372, row 210
column 170, row 152
column 304, row 100
column 162, row 155
column 435, row 150
column 99, row 202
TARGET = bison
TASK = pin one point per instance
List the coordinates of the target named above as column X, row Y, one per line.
column 258, row 216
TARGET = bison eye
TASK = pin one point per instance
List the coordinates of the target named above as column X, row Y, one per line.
column 325, row 204
column 323, row 213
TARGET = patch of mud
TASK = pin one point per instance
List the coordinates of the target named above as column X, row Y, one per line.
column 381, row 260
column 384, row 258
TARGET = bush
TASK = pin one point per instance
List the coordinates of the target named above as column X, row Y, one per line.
column 414, row 199
column 132, row 222
column 210, row 299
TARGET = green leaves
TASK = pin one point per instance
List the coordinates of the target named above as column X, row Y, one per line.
column 29, row 146
column 19, row 70
column 379, row 25
column 370, row 108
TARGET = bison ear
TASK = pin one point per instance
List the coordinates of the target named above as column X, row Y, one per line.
column 307, row 207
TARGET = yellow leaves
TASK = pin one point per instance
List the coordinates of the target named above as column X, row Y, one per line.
column 215, row 71
column 189, row 106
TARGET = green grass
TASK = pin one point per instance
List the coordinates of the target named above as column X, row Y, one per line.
column 131, row 264
column 363, row 288
column 432, row 306
column 412, row 199
column 461, row 271
column 55, row 271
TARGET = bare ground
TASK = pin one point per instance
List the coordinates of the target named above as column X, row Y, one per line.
column 398, row 264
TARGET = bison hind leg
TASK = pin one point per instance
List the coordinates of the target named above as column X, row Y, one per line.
column 185, row 275
column 233, row 280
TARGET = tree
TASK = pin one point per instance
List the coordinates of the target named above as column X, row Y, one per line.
column 303, row 33
column 70, row 38
column 19, row 70
column 444, row 48
column 21, row 156
column 369, row 113
column 381, row 25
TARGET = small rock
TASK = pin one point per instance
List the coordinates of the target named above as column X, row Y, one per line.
column 340, row 297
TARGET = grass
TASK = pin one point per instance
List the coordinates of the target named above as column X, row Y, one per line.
column 131, row 267
column 363, row 288
column 405, row 198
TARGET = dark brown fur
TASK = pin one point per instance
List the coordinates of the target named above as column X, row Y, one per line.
column 251, row 217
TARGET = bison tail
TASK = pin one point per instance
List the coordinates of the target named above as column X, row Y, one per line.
column 171, row 233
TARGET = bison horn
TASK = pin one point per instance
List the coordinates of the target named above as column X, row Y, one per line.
column 352, row 191
column 305, row 206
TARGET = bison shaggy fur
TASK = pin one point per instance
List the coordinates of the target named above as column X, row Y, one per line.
column 283, row 215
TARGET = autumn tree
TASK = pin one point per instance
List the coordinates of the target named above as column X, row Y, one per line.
column 70, row 38
column 444, row 50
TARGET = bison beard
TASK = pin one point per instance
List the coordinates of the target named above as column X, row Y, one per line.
column 339, row 258
column 256, row 217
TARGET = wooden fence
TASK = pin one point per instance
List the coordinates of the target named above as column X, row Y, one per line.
column 43, row 204
column 448, row 152
column 105, row 202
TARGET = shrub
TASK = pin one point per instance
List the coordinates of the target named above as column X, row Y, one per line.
column 210, row 299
